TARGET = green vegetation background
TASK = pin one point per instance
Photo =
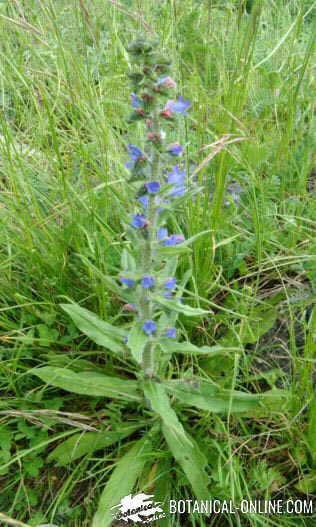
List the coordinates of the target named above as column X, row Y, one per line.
column 249, row 71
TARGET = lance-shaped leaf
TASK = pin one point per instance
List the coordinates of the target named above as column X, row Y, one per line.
column 89, row 383
column 122, row 481
column 84, row 443
column 173, row 250
column 136, row 342
column 98, row 330
column 182, row 446
column 208, row 396
column 169, row 346
column 128, row 262
column 181, row 308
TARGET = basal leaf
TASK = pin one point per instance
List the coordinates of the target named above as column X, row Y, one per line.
column 98, row 330
column 210, row 397
column 84, row 443
column 122, row 481
column 89, row 383
column 182, row 446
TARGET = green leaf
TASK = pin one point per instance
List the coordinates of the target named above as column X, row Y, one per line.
column 169, row 346
column 84, row 443
column 173, row 250
column 193, row 238
column 307, row 485
column 107, row 280
column 128, row 262
column 98, row 330
column 208, row 396
column 250, row 330
column 122, row 481
column 181, row 308
column 89, row 383
column 137, row 340
column 183, row 447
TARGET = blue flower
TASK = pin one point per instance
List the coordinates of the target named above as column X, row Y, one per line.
column 135, row 155
column 174, row 239
column 144, row 200
column 147, row 282
column 149, row 327
column 171, row 333
column 176, row 177
column 127, row 281
column 175, row 149
column 178, row 106
column 162, row 233
column 136, row 102
column 139, row 221
column 170, row 283
column 152, row 187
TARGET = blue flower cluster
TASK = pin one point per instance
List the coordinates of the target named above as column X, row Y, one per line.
column 162, row 184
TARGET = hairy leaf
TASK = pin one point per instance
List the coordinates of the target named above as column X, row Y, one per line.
column 89, row 383
column 84, row 443
column 210, row 397
column 181, row 308
column 122, row 481
column 182, row 446
column 136, row 342
column 169, row 346
column 98, row 330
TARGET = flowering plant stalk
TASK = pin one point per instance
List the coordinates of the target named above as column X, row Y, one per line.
column 148, row 278
column 151, row 292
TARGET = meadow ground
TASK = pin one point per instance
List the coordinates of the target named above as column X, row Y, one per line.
column 64, row 100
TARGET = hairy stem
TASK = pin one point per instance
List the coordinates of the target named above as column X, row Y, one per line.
column 148, row 360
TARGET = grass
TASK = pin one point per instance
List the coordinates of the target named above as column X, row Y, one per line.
column 64, row 102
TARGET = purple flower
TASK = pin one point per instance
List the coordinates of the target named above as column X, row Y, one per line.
column 130, row 307
column 135, row 155
column 166, row 82
column 139, row 221
column 147, row 282
column 176, row 177
column 144, row 201
column 178, row 106
column 136, row 102
column 174, row 239
column 152, row 187
column 162, row 233
column 127, row 281
column 170, row 283
column 175, row 149
column 171, row 333
column 149, row 327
